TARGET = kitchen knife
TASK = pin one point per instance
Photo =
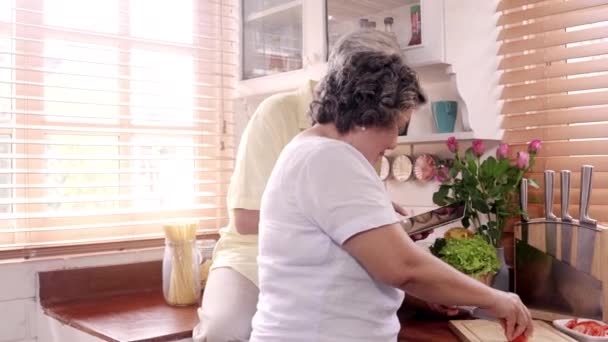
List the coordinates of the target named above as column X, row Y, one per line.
column 523, row 205
column 545, row 283
column 550, row 226
column 566, row 227
column 585, row 237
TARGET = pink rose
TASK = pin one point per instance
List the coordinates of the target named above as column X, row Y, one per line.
column 523, row 160
column 442, row 174
column 478, row 148
column 502, row 152
column 452, row 144
column 534, row 146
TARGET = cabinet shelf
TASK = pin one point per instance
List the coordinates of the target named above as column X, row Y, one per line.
column 405, row 47
column 441, row 138
column 272, row 11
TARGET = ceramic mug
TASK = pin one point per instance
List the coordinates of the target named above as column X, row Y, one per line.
column 444, row 114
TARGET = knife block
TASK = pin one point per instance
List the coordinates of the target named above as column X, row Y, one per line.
column 537, row 238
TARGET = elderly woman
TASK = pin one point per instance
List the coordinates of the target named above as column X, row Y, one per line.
column 333, row 261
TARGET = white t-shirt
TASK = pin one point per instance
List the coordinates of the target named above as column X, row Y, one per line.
column 320, row 193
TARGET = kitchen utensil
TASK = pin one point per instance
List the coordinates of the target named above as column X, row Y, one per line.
column 550, row 226
column 585, row 237
column 523, row 198
column 573, row 283
column 565, row 229
column 585, row 242
column 545, row 283
column 565, row 194
column 523, row 205
column 480, row 330
column 586, row 179
column 402, row 168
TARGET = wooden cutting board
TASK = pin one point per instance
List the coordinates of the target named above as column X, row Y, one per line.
column 480, row 330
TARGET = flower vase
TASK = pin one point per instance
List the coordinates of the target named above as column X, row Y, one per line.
column 501, row 280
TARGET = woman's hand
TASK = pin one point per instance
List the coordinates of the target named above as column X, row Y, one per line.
column 448, row 311
column 517, row 318
column 400, row 210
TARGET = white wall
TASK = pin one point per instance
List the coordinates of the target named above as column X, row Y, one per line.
column 21, row 317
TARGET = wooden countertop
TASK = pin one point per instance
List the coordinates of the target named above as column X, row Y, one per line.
column 125, row 318
column 145, row 317
column 125, row 303
column 425, row 331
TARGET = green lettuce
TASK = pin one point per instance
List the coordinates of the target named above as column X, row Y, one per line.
column 474, row 256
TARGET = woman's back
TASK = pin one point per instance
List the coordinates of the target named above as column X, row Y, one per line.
column 322, row 192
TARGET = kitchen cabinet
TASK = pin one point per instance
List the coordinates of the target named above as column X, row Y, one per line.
column 285, row 41
column 282, row 43
column 272, row 37
column 418, row 25
column 451, row 44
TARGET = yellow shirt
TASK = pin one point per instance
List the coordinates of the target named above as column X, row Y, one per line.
column 277, row 120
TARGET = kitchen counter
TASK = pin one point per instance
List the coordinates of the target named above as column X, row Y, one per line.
column 145, row 317
column 416, row 327
column 125, row 303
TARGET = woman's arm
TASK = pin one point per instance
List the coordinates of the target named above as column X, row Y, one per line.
column 391, row 257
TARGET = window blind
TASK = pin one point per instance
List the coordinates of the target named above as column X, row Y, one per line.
column 555, row 75
column 115, row 118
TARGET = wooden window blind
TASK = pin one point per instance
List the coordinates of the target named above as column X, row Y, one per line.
column 115, row 118
column 554, row 64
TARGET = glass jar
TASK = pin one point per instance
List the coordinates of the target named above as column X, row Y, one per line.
column 181, row 273
column 205, row 248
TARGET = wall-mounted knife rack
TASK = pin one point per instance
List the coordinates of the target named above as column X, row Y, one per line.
column 581, row 243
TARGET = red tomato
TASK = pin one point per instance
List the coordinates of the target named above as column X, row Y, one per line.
column 520, row 338
column 571, row 323
column 588, row 328
column 580, row 328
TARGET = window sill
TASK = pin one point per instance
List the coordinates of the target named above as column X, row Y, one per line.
column 36, row 253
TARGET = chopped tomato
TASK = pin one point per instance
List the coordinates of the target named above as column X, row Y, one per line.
column 520, row 338
column 590, row 328
column 571, row 323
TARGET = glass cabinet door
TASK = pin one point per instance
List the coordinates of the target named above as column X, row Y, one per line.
column 401, row 18
column 272, row 37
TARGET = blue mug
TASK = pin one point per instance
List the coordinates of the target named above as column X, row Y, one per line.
column 444, row 114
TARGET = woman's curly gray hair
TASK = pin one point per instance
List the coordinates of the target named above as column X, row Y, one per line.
column 367, row 83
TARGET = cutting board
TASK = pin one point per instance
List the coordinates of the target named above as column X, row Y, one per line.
column 480, row 330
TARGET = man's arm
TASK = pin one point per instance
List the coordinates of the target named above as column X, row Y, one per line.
column 258, row 151
column 246, row 221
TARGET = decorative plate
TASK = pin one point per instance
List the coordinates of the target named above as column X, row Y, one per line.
column 402, row 168
column 385, row 168
column 424, row 167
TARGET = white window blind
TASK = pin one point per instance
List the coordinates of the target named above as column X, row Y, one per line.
column 555, row 76
column 115, row 118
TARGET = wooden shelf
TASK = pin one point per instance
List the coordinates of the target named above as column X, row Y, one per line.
column 280, row 9
column 441, row 138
